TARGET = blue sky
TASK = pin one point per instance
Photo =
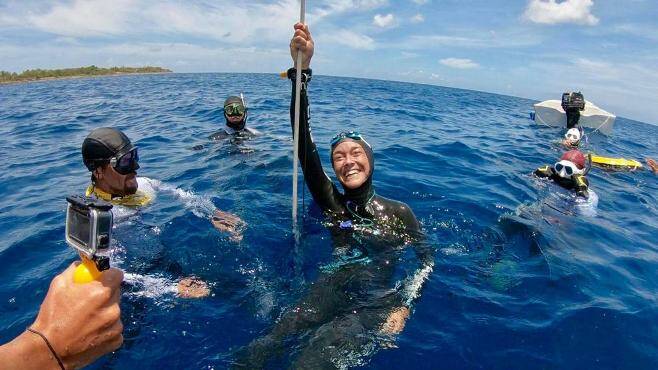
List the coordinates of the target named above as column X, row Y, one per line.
column 529, row 48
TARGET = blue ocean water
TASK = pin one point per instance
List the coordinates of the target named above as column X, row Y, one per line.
column 522, row 278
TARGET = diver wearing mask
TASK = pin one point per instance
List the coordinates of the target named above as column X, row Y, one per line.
column 569, row 172
column 572, row 138
column 113, row 162
column 235, row 114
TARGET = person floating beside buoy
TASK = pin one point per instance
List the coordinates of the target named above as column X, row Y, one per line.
column 572, row 138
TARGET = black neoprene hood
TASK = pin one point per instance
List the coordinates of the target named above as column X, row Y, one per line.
column 102, row 144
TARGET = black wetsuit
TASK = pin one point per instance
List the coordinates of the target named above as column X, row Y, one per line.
column 356, row 206
column 236, row 136
column 230, row 132
column 576, row 182
column 340, row 316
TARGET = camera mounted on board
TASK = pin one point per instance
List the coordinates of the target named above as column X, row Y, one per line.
column 573, row 100
column 89, row 230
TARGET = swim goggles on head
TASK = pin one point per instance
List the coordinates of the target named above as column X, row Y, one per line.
column 125, row 163
column 354, row 135
column 566, row 169
column 234, row 110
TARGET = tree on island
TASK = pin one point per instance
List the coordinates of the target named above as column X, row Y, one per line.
column 38, row 74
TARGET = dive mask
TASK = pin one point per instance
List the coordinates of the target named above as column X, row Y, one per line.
column 234, row 110
column 567, row 169
column 125, row 163
column 573, row 135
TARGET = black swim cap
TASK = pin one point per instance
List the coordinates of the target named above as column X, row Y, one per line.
column 359, row 140
column 102, row 144
column 363, row 193
column 233, row 100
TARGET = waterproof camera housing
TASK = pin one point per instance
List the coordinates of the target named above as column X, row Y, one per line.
column 89, row 227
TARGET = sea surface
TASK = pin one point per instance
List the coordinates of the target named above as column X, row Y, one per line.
column 524, row 277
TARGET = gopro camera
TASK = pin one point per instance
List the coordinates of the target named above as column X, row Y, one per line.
column 89, row 227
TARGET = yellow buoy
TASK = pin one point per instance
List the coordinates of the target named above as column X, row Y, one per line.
column 616, row 162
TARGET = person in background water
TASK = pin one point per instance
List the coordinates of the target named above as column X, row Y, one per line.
column 356, row 294
column 569, row 172
column 573, row 103
column 572, row 138
column 235, row 114
column 76, row 324
column 113, row 162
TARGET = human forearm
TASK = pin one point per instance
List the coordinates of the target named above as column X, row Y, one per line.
column 27, row 351
column 319, row 184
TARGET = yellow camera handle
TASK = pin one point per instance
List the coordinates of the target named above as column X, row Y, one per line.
column 86, row 272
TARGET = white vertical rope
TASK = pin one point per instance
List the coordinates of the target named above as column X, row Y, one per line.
column 298, row 88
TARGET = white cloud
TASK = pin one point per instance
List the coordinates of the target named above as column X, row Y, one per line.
column 370, row 4
column 384, row 21
column 7, row 21
column 459, row 63
column 600, row 69
column 341, row 6
column 228, row 23
column 648, row 31
column 406, row 54
column 419, row 76
column 567, row 11
column 418, row 18
column 85, row 18
column 350, row 39
column 477, row 40
column 250, row 22
column 420, row 2
column 182, row 57
column 222, row 20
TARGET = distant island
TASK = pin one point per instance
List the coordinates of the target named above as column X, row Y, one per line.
column 53, row 74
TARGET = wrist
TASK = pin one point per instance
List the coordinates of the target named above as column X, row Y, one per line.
column 307, row 74
column 27, row 351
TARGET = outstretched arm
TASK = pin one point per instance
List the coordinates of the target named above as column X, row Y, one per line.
column 322, row 189
column 413, row 284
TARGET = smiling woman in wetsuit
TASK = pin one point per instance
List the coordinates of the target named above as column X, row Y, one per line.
column 353, row 163
column 364, row 296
